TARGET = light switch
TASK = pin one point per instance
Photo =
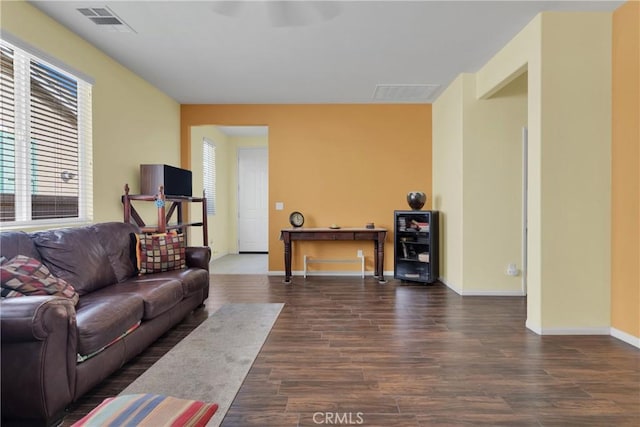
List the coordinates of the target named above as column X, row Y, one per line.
column 279, row 206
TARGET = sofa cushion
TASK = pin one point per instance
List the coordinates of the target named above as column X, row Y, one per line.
column 192, row 279
column 24, row 276
column 14, row 243
column 114, row 237
column 76, row 255
column 159, row 295
column 103, row 318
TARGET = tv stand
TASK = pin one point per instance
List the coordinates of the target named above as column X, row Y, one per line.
column 165, row 213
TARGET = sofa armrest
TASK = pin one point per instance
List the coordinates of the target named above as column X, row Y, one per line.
column 198, row 256
column 38, row 358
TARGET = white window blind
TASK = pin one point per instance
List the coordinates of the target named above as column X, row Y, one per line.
column 209, row 174
column 46, row 146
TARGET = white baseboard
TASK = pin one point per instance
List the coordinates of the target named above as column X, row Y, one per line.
column 487, row 293
column 568, row 331
column 532, row 328
column 451, row 286
column 493, row 293
column 623, row 336
column 576, row 331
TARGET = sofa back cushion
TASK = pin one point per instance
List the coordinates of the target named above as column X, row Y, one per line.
column 14, row 243
column 77, row 256
column 115, row 238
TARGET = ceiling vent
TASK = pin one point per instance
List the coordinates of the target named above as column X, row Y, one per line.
column 405, row 92
column 105, row 19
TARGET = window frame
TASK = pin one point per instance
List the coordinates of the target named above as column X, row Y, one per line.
column 23, row 140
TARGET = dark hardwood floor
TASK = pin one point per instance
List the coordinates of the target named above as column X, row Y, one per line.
column 348, row 351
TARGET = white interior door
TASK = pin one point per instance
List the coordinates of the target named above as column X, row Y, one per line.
column 253, row 199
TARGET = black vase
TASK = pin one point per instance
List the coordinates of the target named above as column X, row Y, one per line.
column 416, row 200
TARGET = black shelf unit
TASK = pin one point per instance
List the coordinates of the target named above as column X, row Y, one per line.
column 415, row 245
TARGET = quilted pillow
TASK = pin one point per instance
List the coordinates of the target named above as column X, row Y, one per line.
column 161, row 252
column 24, row 276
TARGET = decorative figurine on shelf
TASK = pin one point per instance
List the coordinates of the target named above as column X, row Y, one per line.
column 416, row 200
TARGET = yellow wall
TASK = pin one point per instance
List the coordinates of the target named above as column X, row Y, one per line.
column 576, row 170
column 625, row 193
column 133, row 122
column 478, row 185
column 492, row 196
column 447, row 180
column 343, row 164
column 567, row 57
column 522, row 53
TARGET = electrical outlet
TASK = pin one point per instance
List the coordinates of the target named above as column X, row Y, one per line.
column 512, row 270
column 359, row 252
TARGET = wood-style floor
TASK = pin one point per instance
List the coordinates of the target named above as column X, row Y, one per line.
column 348, row 351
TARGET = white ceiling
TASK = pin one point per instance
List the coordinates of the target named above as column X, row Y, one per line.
column 208, row 52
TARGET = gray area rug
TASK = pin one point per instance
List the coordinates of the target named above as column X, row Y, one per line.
column 211, row 363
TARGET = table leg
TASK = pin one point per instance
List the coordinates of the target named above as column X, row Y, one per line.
column 287, row 258
column 380, row 257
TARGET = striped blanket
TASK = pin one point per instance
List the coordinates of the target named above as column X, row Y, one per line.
column 152, row 410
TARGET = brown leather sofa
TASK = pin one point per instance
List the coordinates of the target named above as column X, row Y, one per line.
column 52, row 351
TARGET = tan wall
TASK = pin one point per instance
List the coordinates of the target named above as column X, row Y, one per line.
column 133, row 122
column 567, row 57
column 492, row 196
column 625, row 192
column 576, row 166
column 343, row 164
column 478, row 185
column 447, row 180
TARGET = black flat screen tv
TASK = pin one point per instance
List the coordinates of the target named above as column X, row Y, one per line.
column 176, row 181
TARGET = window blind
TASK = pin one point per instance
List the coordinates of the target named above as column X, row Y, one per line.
column 209, row 174
column 46, row 151
column 7, row 136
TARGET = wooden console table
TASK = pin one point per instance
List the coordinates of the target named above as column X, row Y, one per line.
column 377, row 235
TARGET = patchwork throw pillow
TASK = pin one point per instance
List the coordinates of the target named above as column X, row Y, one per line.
column 151, row 410
column 161, row 252
column 24, row 276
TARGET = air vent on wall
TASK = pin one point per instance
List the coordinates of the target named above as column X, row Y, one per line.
column 405, row 92
column 105, row 19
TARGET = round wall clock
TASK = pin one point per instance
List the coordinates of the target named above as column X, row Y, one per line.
column 296, row 219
